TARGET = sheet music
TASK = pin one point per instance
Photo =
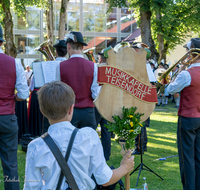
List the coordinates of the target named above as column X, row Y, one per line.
column 49, row 70
column 150, row 73
column 44, row 72
column 38, row 74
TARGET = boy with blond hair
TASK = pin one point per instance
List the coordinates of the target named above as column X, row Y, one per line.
column 56, row 100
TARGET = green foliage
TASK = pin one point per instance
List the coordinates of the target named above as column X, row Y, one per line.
column 178, row 18
column 118, row 3
column 175, row 23
column 19, row 6
column 126, row 127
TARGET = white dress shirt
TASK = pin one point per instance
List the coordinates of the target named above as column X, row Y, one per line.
column 28, row 73
column 60, row 59
column 21, row 82
column 86, row 158
column 95, row 85
column 182, row 80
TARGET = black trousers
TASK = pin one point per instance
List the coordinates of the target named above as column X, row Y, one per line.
column 35, row 116
column 142, row 136
column 84, row 117
column 105, row 135
column 22, row 117
column 188, row 136
column 8, row 150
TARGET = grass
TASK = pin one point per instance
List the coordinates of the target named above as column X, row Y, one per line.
column 161, row 143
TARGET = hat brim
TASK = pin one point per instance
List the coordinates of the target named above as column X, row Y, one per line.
column 84, row 44
column 185, row 46
column 1, row 39
column 59, row 46
column 99, row 53
column 69, row 40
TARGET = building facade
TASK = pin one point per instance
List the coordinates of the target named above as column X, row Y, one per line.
column 100, row 29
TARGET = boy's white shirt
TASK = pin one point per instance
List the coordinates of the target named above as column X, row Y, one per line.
column 86, row 158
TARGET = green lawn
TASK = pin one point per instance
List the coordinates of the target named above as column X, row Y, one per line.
column 161, row 143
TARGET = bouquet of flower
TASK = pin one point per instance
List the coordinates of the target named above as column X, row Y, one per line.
column 126, row 127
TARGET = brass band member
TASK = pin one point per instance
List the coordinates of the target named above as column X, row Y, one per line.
column 81, row 75
column 11, row 76
column 188, row 133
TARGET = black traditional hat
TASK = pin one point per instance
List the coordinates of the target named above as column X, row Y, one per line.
column 60, row 44
column 193, row 43
column 166, row 66
column 76, row 37
column 1, row 35
column 161, row 63
column 142, row 45
column 151, row 63
column 101, row 52
column 139, row 45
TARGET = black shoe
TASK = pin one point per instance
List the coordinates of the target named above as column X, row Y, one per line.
column 157, row 105
column 137, row 152
column 163, row 105
column 145, row 149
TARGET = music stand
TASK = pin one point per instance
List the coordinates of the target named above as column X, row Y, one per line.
column 141, row 166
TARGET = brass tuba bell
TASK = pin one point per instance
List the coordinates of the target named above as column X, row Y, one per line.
column 89, row 53
column 159, row 72
column 45, row 50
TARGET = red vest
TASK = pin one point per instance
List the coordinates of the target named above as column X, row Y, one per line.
column 7, row 84
column 190, row 96
column 78, row 73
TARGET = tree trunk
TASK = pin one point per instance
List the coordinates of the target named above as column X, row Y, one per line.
column 163, row 53
column 145, row 27
column 10, row 48
column 160, row 39
column 62, row 20
column 49, row 19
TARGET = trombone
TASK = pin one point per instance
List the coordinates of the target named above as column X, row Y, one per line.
column 187, row 59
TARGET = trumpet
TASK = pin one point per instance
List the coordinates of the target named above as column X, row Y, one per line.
column 187, row 59
column 45, row 50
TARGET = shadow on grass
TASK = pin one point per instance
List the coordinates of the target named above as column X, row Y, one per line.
column 168, row 169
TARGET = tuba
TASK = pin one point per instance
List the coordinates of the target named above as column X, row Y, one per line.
column 120, row 46
column 45, row 50
column 90, row 54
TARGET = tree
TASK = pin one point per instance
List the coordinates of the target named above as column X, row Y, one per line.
column 10, row 48
column 19, row 7
column 163, row 23
column 143, row 9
